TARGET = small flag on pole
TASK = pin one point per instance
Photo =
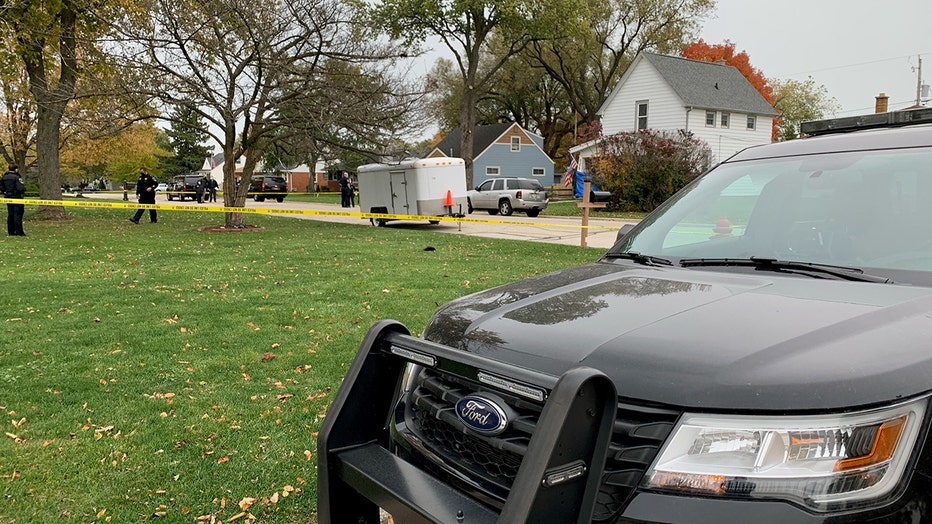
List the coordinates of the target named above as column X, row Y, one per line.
column 570, row 172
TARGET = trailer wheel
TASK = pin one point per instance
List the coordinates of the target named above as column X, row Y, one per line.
column 377, row 222
column 434, row 222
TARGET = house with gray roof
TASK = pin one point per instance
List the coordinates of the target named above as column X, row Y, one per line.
column 712, row 100
column 501, row 150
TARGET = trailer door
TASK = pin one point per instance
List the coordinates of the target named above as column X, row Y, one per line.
column 399, row 187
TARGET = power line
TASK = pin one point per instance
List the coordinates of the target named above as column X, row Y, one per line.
column 857, row 64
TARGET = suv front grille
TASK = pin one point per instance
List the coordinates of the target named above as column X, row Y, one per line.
column 638, row 433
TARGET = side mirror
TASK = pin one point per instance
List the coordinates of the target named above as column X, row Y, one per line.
column 625, row 229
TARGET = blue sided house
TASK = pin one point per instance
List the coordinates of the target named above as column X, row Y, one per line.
column 501, row 150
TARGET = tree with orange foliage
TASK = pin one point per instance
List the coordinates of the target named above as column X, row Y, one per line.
column 705, row 52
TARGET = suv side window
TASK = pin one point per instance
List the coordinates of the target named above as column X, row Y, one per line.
column 498, row 185
column 531, row 185
column 485, row 186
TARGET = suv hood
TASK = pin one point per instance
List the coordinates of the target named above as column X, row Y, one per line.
column 705, row 339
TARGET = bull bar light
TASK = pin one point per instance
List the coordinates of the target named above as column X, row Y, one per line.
column 823, row 462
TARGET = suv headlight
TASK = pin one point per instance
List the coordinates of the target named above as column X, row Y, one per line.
column 824, row 462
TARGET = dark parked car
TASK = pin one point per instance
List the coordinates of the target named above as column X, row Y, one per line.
column 506, row 195
column 182, row 186
column 268, row 186
column 757, row 349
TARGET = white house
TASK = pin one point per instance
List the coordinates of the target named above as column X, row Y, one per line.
column 712, row 100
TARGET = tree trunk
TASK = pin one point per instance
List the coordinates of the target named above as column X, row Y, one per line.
column 233, row 194
column 467, row 126
column 48, row 135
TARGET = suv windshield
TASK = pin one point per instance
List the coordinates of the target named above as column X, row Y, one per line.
column 866, row 210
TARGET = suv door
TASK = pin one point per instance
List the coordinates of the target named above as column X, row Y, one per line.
column 482, row 198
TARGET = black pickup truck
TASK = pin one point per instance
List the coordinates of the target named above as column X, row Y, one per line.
column 757, row 349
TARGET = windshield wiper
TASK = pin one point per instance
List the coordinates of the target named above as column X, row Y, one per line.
column 647, row 260
column 773, row 264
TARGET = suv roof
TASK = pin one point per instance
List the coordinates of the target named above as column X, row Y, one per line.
column 900, row 129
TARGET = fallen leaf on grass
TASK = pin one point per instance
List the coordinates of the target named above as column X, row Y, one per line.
column 246, row 503
column 267, row 356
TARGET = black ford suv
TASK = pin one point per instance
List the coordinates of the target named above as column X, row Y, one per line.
column 757, row 349
column 268, row 186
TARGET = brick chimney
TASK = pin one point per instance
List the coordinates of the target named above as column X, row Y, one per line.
column 880, row 103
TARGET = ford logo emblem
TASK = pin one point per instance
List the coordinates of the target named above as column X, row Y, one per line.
column 482, row 414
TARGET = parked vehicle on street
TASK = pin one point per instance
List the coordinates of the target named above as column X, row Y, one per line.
column 162, row 187
column 506, row 195
column 754, row 350
column 265, row 185
column 182, row 186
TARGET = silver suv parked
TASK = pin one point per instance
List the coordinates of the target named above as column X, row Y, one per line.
column 506, row 195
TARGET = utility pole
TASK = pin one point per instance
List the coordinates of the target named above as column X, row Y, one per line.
column 919, row 84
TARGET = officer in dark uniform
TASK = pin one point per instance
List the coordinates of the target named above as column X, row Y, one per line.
column 13, row 187
column 145, row 192
column 199, row 188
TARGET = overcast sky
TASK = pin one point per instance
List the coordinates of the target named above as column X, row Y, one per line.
column 855, row 48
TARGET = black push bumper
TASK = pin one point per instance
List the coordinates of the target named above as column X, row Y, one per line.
column 558, row 479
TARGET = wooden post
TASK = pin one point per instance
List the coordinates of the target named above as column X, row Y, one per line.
column 586, row 205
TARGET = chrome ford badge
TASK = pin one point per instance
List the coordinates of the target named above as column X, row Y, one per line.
column 482, row 414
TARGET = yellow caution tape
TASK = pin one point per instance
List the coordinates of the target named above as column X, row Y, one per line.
column 279, row 211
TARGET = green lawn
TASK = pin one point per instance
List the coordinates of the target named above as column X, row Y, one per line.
column 156, row 371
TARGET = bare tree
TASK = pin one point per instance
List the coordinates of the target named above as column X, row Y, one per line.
column 18, row 125
column 253, row 68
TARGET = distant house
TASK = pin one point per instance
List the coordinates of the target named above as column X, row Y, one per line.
column 299, row 177
column 501, row 150
column 712, row 100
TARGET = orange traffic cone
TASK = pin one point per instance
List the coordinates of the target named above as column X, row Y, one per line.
column 449, row 201
column 722, row 228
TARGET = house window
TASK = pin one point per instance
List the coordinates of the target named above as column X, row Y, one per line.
column 516, row 143
column 725, row 118
column 710, row 118
column 537, row 171
column 752, row 122
column 642, row 115
column 492, row 171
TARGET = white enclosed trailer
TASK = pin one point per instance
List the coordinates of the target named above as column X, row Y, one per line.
column 431, row 187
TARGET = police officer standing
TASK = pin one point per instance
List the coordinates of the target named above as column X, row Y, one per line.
column 145, row 192
column 13, row 187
